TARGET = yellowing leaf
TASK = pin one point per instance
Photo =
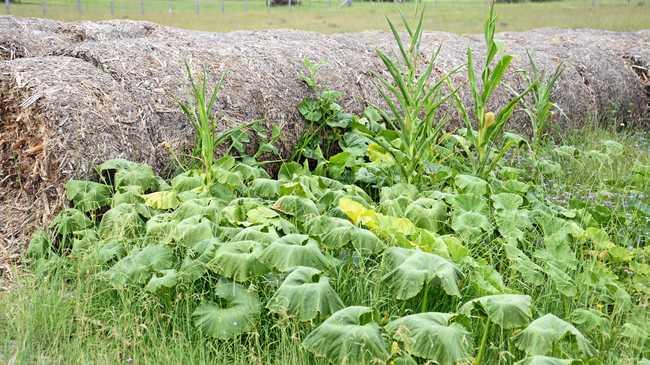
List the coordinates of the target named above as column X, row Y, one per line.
column 356, row 211
column 162, row 200
column 377, row 154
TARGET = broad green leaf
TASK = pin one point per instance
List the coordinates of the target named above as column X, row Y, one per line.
column 238, row 261
column 541, row 334
column 506, row 201
column 613, row 148
column 296, row 206
column 87, row 195
column 166, row 279
column 335, row 233
column 530, row 272
column 161, row 226
column 431, row 336
column 512, row 224
column 68, row 221
column 39, row 245
column 468, row 184
column 427, row 213
column 468, row 203
column 186, row 181
column 236, row 312
column 590, row 321
column 264, row 188
column 485, row 279
column 544, row 360
column 122, row 221
column 295, row 250
column 162, row 200
column 192, row 230
column 549, row 168
column 209, row 208
column 379, row 156
column 306, row 295
column 236, row 211
column 471, row 224
column 127, row 195
column 506, row 310
column 140, row 175
column 137, row 267
column 410, row 270
column 346, row 339
column 256, row 233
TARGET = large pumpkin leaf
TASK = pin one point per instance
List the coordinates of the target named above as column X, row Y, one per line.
column 203, row 207
column 471, row 184
column 137, row 175
column 195, row 263
column 192, row 230
column 122, row 221
column 512, row 224
column 167, row 279
column 471, row 224
column 531, row 272
column 138, row 266
column 87, row 195
column 306, row 295
column 345, row 339
column 335, row 233
column 505, row 310
column 69, row 221
column 427, row 213
column 262, row 234
column 264, row 188
column 295, row 250
column 541, row 334
column 238, row 261
column 431, row 336
column 296, row 206
column 410, row 270
column 237, row 312
column 544, row 360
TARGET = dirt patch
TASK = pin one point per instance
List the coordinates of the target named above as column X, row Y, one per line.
column 75, row 94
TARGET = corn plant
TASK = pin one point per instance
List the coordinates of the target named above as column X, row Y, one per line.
column 199, row 112
column 414, row 102
column 540, row 109
column 487, row 124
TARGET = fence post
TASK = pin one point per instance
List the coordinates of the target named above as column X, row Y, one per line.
column 197, row 7
column 245, row 5
column 169, row 7
column 112, row 8
column 7, row 6
column 79, row 7
column 141, row 7
column 44, row 7
column 223, row 6
column 289, row 4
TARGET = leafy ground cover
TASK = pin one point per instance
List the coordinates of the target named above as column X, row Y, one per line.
column 386, row 239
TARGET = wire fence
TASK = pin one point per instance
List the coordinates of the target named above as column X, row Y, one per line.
column 143, row 7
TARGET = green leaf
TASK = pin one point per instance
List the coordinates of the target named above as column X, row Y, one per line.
column 310, row 110
column 506, row 201
column 168, row 279
column 190, row 231
column 541, row 334
column 296, row 206
column 344, row 339
column 68, row 221
column 238, row 261
column 139, row 175
column 306, row 295
column 471, row 224
column 237, row 312
column 137, row 267
column 295, row 250
column 264, row 188
column 122, row 221
column 335, row 233
column 531, row 272
column 426, row 213
column 613, row 148
column 544, row 360
column 87, row 195
column 512, row 224
column 39, row 245
column 209, row 208
column 468, row 184
column 431, row 336
column 506, row 310
column 591, row 321
column 410, row 270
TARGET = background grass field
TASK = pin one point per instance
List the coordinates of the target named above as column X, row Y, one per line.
column 328, row 16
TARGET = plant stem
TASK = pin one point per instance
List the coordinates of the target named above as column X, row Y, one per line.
column 425, row 299
column 481, row 350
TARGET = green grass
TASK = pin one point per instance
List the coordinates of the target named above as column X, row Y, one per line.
column 49, row 318
column 453, row 16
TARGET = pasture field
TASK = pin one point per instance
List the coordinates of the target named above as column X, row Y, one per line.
column 464, row 16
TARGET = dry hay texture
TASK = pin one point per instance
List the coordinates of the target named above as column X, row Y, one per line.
column 75, row 94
